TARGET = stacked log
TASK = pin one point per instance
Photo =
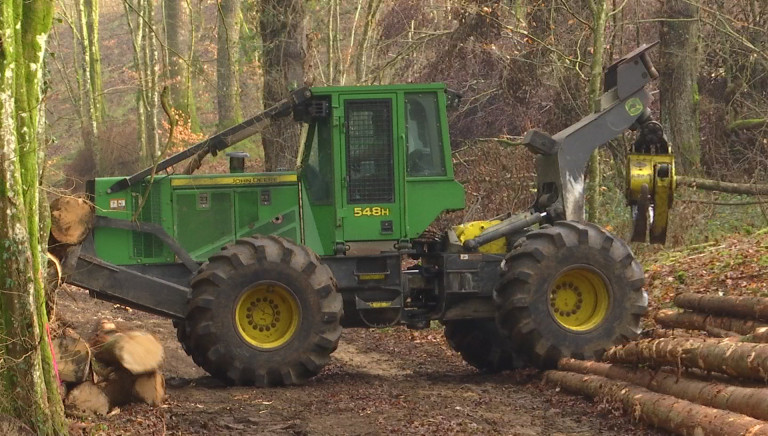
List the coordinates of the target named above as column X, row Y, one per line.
column 691, row 320
column 71, row 219
column 117, row 367
column 708, row 377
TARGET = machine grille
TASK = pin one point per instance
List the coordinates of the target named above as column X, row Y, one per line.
column 369, row 151
column 146, row 245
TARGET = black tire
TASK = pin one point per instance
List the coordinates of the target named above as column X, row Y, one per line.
column 482, row 345
column 221, row 332
column 539, row 293
column 181, row 334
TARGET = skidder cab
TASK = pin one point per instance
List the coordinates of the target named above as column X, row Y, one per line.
column 260, row 271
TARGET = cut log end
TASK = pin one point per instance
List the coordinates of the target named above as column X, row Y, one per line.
column 88, row 398
column 150, row 388
column 118, row 387
column 71, row 219
column 73, row 357
column 137, row 351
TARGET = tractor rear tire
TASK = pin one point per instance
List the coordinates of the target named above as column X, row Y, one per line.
column 263, row 312
column 570, row 290
column 482, row 345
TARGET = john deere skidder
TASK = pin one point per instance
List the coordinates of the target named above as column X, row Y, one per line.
column 260, row 272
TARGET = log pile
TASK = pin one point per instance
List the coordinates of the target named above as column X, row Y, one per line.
column 704, row 373
column 114, row 368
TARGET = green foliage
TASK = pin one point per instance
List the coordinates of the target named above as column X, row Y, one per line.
column 680, row 277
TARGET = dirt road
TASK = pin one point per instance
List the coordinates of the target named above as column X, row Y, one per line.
column 389, row 381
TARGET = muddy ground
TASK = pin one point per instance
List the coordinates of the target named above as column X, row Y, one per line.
column 388, row 381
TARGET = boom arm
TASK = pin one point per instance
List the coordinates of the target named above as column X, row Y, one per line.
column 222, row 140
column 562, row 158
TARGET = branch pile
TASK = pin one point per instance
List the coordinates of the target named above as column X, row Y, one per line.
column 708, row 380
column 115, row 368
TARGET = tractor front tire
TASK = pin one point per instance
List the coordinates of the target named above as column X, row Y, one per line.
column 263, row 312
column 570, row 290
column 482, row 345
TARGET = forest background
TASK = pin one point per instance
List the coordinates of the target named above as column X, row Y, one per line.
column 519, row 64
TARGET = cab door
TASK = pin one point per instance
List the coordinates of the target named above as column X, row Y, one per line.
column 370, row 168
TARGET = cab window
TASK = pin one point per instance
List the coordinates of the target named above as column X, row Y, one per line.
column 318, row 168
column 424, row 136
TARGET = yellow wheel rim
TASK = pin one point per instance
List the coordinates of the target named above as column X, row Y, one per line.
column 579, row 299
column 267, row 315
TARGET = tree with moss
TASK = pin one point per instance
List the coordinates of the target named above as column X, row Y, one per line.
column 27, row 380
column 599, row 12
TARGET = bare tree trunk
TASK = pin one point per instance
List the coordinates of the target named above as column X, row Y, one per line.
column 284, row 40
column 88, row 112
column 179, row 39
column 137, row 33
column 27, row 381
column 599, row 9
column 227, row 63
column 91, row 8
column 372, row 10
column 139, row 15
column 151, row 96
column 678, row 70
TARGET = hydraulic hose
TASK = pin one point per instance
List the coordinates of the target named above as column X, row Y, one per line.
column 504, row 228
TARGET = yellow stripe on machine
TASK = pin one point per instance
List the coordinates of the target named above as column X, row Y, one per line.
column 235, row 180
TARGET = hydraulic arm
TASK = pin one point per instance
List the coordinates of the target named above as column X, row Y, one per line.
column 562, row 158
column 221, row 140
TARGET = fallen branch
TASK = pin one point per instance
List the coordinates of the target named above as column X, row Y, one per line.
column 748, row 124
column 743, row 307
column 703, row 321
column 737, row 359
column 720, row 203
column 663, row 411
column 716, row 185
column 747, row 401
